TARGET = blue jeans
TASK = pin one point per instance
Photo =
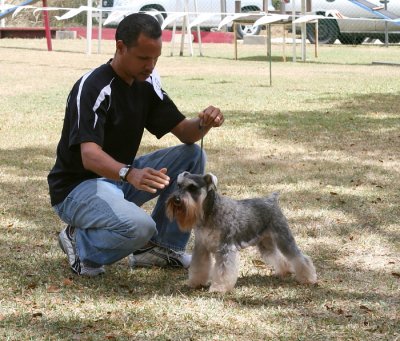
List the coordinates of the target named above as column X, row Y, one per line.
column 107, row 216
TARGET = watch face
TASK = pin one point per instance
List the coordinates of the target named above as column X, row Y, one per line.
column 122, row 172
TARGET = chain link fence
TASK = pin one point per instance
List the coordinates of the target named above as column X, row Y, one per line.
column 342, row 21
column 345, row 21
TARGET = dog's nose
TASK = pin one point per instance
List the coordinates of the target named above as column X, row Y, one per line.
column 177, row 200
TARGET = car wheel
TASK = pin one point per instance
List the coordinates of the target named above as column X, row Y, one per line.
column 351, row 39
column 328, row 31
column 247, row 30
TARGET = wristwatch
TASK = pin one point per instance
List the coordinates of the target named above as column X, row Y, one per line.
column 124, row 171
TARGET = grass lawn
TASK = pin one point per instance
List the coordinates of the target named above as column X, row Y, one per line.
column 326, row 135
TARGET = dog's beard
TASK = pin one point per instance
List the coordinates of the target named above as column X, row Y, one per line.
column 187, row 214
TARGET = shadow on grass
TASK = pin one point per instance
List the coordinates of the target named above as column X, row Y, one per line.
column 25, row 194
column 255, row 58
column 123, row 295
column 336, row 171
column 320, row 132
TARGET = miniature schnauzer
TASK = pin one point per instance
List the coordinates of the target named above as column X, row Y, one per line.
column 223, row 226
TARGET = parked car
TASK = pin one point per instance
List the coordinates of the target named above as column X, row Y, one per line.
column 350, row 23
column 163, row 8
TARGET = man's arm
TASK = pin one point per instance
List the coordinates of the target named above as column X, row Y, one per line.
column 192, row 130
column 99, row 162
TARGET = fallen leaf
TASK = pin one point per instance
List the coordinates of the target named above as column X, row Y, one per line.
column 363, row 307
column 53, row 289
column 340, row 311
column 32, row 285
column 333, row 193
column 396, row 274
column 68, row 281
column 258, row 263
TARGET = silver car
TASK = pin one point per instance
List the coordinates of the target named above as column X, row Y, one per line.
column 349, row 22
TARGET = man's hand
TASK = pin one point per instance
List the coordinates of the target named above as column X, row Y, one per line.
column 211, row 117
column 148, row 179
column 192, row 130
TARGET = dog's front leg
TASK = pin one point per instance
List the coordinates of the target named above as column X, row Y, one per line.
column 199, row 271
column 226, row 270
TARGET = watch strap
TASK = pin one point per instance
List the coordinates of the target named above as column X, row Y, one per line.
column 126, row 174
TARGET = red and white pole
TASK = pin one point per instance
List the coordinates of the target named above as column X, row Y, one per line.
column 47, row 26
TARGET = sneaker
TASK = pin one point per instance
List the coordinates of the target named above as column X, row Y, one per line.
column 66, row 240
column 159, row 256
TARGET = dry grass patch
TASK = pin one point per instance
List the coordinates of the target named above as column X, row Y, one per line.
column 326, row 136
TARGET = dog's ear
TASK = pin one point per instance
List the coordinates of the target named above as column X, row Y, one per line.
column 211, row 181
column 181, row 176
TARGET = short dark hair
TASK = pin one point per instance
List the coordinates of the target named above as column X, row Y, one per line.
column 130, row 28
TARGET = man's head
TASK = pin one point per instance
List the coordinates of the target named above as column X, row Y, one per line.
column 138, row 46
column 130, row 28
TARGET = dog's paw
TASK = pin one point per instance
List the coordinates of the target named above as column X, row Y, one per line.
column 197, row 285
column 310, row 278
column 283, row 274
column 219, row 288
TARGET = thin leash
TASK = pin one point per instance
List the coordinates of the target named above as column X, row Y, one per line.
column 201, row 127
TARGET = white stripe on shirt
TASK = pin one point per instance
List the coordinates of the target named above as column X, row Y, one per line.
column 103, row 93
column 78, row 96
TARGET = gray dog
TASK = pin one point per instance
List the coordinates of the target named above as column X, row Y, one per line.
column 223, row 226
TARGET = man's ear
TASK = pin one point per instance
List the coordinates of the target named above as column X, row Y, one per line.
column 211, row 181
column 119, row 46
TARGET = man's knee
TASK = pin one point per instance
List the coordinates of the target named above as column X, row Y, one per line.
column 141, row 230
column 145, row 232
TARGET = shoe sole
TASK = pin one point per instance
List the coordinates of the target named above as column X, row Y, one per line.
column 60, row 244
column 76, row 267
column 170, row 261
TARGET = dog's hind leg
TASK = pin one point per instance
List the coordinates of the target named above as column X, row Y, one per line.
column 200, row 267
column 225, row 271
column 272, row 256
column 304, row 270
column 303, row 266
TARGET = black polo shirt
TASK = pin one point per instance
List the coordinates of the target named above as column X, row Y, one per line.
column 102, row 108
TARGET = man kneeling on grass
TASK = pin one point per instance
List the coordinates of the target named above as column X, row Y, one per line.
column 98, row 184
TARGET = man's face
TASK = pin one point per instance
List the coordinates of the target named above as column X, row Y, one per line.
column 137, row 62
